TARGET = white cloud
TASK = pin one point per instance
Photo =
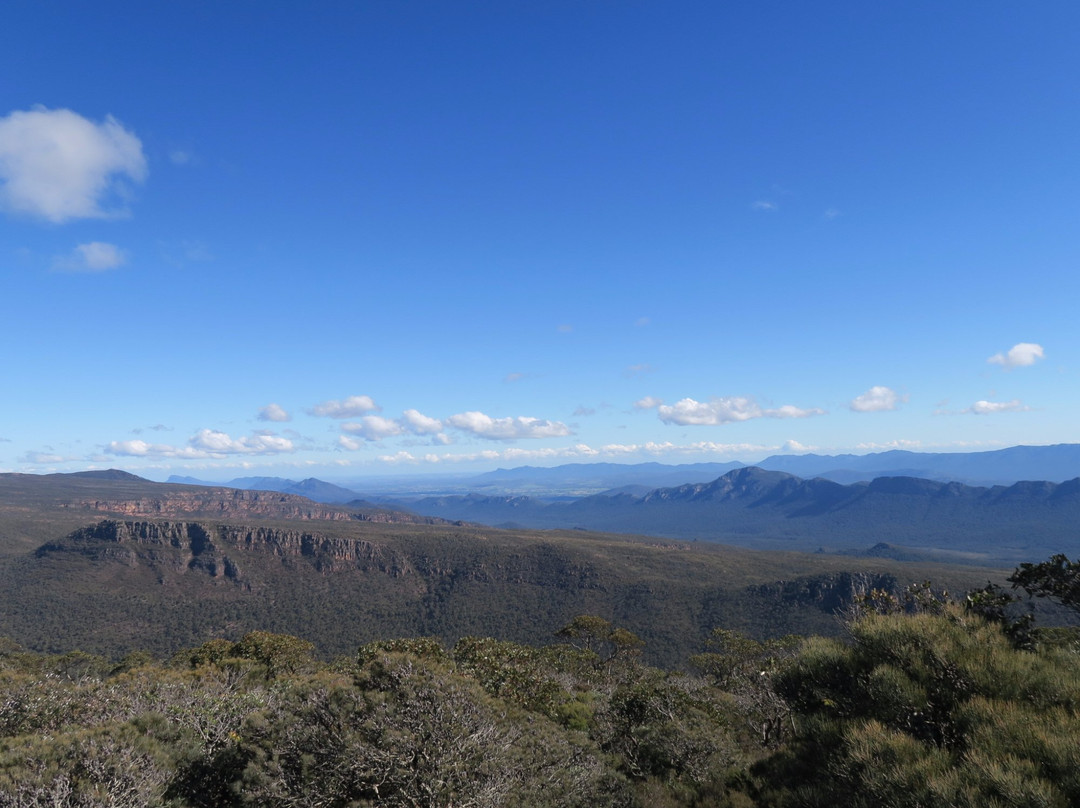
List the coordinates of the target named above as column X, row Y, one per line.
column 795, row 446
column 352, row 444
column 374, row 427
column 57, row 165
column 513, row 377
column 220, row 443
column 765, row 205
column 725, row 410
column 876, row 399
column 565, row 328
column 899, row 443
column 351, row 407
column 831, row 213
column 1020, row 355
column 634, row 370
column 272, row 412
column 489, row 428
column 45, row 458
column 96, row 256
column 400, row 457
column 205, row 443
column 420, row 424
column 991, row 407
column 641, row 322
column 648, row 403
column 583, row 451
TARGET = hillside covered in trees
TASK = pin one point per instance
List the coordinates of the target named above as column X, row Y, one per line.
column 927, row 702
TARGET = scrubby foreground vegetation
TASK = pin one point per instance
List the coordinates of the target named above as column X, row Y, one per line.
column 927, row 702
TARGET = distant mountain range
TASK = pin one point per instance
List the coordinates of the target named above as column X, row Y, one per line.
column 773, row 510
column 108, row 562
column 904, row 504
column 1056, row 463
column 311, row 488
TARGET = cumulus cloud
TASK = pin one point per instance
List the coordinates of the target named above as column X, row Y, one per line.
column 420, row 424
column 648, row 403
column 991, row 407
column 484, row 426
column 272, row 412
column 725, row 410
column 203, row 444
column 57, row 165
column 876, row 399
column 374, row 427
column 351, row 407
column 96, row 256
column 795, row 446
column 1020, row 355
column 220, row 443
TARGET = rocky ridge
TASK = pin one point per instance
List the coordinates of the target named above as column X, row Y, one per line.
column 219, row 549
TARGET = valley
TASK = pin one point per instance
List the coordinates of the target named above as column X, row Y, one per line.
column 107, row 562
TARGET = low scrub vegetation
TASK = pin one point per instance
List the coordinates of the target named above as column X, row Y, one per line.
column 927, row 701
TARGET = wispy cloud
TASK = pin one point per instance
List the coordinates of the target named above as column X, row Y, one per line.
column 765, row 206
column 582, row 451
column 351, row 407
column 273, row 412
column 95, row 256
column 648, row 403
column 876, row 399
column 1020, row 355
column 45, row 458
column 57, row 165
column 725, row 410
column 637, row 370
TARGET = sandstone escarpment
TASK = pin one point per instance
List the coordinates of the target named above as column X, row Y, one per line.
column 220, row 550
column 237, row 503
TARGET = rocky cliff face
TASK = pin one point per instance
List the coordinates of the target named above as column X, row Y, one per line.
column 230, row 503
column 219, row 550
column 829, row 592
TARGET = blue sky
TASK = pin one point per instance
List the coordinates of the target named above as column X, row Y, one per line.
column 339, row 239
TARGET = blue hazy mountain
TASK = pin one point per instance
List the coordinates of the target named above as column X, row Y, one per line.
column 770, row 509
column 1056, row 463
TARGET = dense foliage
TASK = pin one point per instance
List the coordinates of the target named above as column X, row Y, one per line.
column 926, row 702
